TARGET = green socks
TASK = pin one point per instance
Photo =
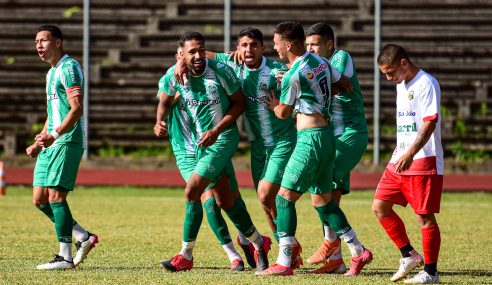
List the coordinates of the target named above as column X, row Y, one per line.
column 330, row 214
column 46, row 209
column 240, row 217
column 286, row 217
column 216, row 221
column 63, row 221
column 193, row 220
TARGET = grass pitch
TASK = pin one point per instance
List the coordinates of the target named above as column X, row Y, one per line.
column 139, row 227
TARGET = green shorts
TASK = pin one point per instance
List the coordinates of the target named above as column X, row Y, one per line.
column 350, row 147
column 311, row 165
column 269, row 162
column 214, row 161
column 186, row 163
column 57, row 167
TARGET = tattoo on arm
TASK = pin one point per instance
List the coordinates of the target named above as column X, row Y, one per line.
column 423, row 135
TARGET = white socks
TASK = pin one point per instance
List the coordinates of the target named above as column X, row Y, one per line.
column 231, row 252
column 285, row 251
column 79, row 232
column 187, row 250
column 66, row 251
column 350, row 238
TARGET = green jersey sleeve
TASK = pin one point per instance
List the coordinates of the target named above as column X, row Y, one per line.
column 168, row 83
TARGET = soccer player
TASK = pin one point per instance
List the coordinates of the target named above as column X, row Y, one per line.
column 59, row 148
column 272, row 140
column 306, row 91
column 180, row 131
column 350, row 129
column 414, row 175
column 213, row 100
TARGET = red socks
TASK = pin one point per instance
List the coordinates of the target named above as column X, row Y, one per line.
column 431, row 243
column 395, row 229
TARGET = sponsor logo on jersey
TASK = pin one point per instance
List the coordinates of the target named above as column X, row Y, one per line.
column 194, row 102
column 410, row 95
column 257, row 99
column 407, row 128
column 309, row 75
column 408, row 113
column 317, row 70
column 52, row 96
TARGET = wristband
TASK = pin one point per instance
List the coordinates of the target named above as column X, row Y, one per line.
column 55, row 134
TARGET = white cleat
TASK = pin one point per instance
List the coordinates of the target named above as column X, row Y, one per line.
column 84, row 247
column 423, row 278
column 58, row 263
column 407, row 264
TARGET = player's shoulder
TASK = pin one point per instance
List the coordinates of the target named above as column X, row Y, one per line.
column 425, row 78
column 69, row 63
column 339, row 53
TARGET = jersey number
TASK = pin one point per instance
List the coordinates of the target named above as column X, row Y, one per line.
column 323, row 84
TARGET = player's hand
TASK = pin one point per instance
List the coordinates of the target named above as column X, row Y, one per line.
column 271, row 100
column 33, row 150
column 180, row 72
column 44, row 140
column 237, row 56
column 403, row 163
column 160, row 129
column 208, row 138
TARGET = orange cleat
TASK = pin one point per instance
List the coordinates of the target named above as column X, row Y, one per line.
column 331, row 266
column 324, row 251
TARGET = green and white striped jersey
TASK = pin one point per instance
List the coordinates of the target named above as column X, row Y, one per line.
column 66, row 76
column 260, row 123
column 179, row 125
column 347, row 107
column 307, row 85
column 205, row 96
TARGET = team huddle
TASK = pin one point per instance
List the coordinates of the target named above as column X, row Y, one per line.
column 305, row 122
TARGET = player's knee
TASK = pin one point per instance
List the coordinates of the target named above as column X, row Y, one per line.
column 36, row 202
column 379, row 209
column 426, row 220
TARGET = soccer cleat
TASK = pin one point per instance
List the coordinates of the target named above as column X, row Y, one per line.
column 276, row 269
column 407, row 264
column 358, row 262
column 84, row 247
column 423, row 278
column 332, row 266
column 249, row 253
column 296, row 259
column 261, row 255
column 237, row 265
column 58, row 263
column 177, row 263
column 324, row 251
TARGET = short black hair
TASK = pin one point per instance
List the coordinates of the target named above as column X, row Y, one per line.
column 54, row 31
column 290, row 31
column 392, row 54
column 251, row 32
column 188, row 36
column 321, row 29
